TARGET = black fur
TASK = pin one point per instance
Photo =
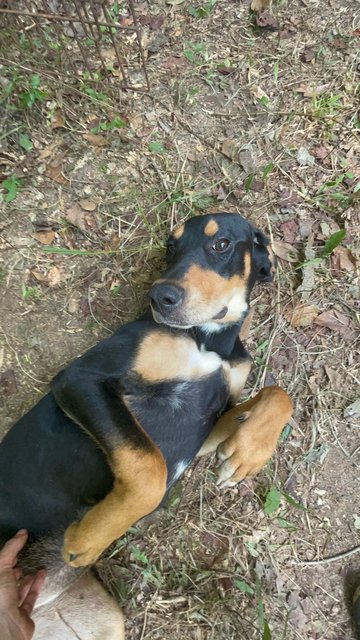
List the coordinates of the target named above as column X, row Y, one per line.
column 52, row 472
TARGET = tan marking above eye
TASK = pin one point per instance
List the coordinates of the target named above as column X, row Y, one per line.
column 211, row 228
column 178, row 232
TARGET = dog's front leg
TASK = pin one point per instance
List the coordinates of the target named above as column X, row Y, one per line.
column 137, row 463
column 245, row 437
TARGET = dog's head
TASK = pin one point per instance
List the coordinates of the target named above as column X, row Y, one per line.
column 213, row 263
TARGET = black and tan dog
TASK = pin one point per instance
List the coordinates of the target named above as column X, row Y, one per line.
column 123, row 421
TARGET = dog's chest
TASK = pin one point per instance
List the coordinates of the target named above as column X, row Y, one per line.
column 165, row 357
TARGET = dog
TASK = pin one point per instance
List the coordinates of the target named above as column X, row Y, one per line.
column 122, row 422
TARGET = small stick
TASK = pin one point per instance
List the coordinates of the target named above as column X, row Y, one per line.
column 337, row 556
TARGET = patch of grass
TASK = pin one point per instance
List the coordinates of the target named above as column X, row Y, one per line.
column 202, row 10
column 30, row 293
column 12, row 184
column 196, row 52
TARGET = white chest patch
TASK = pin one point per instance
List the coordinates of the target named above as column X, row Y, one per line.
column 179, row 469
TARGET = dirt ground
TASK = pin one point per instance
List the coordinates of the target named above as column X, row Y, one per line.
column 256, row 118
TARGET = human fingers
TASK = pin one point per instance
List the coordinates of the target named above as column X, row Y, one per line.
column 9, row 552
column 31, row 592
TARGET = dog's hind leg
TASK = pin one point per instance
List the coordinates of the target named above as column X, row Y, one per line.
column 85, row 611
column 98, row 405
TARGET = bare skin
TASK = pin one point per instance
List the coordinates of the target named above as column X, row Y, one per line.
column 17, row 595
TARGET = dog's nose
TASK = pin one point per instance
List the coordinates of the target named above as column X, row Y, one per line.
column 166, row 297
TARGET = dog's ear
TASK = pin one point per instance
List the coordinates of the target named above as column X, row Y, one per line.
column 264, row 258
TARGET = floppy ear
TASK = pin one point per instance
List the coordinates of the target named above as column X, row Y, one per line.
column 264, row 258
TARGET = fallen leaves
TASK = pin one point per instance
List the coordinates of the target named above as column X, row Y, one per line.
column 342, row 260
column 80, row 216
column 58, row 120
column 89, row 204
column 45, row 237
column 304, row 157
column 311, row 92
column 176, row 63
column 302, row 315
column 266, row 21
column 95, row 139
column 51, row 278
column 290, row 230
column 285, row 251
column 308, row 55
column 54, row 170
column 334, row 320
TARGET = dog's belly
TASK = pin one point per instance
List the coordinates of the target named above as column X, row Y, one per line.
column 179, row 416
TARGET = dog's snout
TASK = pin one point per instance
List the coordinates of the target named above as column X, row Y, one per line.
column 166, row 297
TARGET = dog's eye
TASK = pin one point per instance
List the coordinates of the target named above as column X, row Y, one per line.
column 221, row 245
column 171, row 249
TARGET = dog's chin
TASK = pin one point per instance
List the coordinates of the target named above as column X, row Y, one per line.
column 160, row 319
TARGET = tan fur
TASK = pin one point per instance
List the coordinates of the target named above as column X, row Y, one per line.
column 211, row 228
column 236, row 376
column 245, row 447
column 162, row 356
column 84, row 612
column 178, row 232
column 206, row 293
column 139, row 486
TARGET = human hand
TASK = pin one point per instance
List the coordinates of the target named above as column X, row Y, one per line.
column 17, row 600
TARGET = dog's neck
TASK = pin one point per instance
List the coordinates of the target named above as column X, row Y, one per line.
column 222, row 341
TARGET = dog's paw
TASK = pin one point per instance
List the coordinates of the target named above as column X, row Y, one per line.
column 241, row 456
column 79, row 550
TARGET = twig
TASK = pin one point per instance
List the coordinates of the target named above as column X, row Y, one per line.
column 337, row 556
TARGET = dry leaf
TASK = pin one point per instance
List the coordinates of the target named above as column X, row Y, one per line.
column 248, row 158
column 246, row 325
column 88, row 204
column 176, row 63
column 76, row 215
column 259, row 5
column 290, row 230
column 91, row 221
column 58, row 120
column 51, row 278
column 285, row 251
column 333, row 320
column 304, row 158
column 54, row 170
column 342, row 260
column 45, row 237
column 310, row 92
column 95, row 140
column 335, row 377
column 49, row 150
column 307, row 55
column 304, row 315
column 229, row 148
column 266, row 21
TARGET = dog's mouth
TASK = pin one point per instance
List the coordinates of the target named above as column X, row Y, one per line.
column 184, row 323
column 221, row 314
